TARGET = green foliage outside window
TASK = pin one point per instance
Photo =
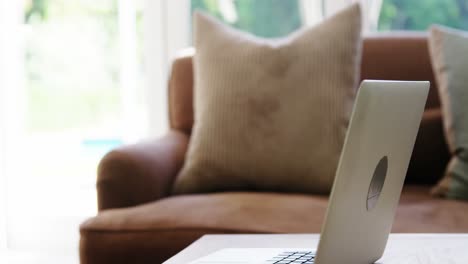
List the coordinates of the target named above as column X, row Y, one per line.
column 421, row 14
column 265, row 18
column 72, row 64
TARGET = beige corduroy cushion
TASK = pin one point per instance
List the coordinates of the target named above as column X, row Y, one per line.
column 271, row 114
column 449, row 56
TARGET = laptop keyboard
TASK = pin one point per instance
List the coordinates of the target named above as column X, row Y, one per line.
column 293, row 257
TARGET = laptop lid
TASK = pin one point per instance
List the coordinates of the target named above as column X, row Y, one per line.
column 371, row 171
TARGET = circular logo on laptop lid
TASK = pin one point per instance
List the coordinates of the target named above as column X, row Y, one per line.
column 377, row 183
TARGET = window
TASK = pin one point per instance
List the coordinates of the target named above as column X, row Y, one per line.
column 421, row 14
column 78, row 93
column 71, row 66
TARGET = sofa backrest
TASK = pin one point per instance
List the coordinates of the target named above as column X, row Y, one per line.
column 391, row 56
column 399, row 56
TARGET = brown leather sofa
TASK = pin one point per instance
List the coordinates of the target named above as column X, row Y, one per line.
column 140, row 222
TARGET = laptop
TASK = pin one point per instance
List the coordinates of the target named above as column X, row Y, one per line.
column 368, row 182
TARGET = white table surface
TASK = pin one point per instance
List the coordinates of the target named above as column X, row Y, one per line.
column 401, row 248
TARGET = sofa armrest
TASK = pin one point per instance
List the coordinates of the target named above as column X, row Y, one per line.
column 140, row 173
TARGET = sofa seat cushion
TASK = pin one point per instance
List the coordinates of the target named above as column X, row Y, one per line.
column 157, row 230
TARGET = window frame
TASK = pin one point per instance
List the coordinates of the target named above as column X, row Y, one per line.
column 166, row 30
